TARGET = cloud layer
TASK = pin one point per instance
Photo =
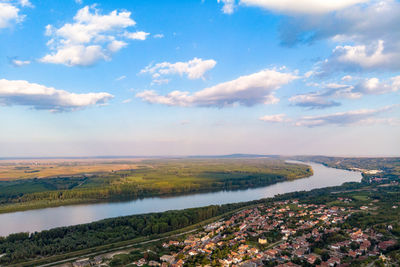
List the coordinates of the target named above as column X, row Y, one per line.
column 363, row 116
column 19, row 92
column 311, row 7
column 274, row 118
column 353, row 117
column 90, row 38
column 249, row 90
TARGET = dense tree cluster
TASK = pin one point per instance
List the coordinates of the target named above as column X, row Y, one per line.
column 22, row 246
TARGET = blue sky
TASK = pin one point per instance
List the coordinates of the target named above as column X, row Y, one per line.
column 88, row 78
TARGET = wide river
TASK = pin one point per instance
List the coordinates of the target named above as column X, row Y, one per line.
column 41, row 219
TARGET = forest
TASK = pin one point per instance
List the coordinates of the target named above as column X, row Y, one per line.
column 150, row 178
column 24, row 246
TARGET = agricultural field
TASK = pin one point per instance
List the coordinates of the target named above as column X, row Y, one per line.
column 144, row 178
column 50, row 168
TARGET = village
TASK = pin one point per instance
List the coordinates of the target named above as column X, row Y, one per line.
column 285, row 234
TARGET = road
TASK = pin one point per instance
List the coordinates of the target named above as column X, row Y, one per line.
column 114, row 249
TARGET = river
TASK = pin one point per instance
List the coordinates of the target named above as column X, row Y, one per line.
column 42, row 219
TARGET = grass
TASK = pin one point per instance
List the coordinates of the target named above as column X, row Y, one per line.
column 28, row 169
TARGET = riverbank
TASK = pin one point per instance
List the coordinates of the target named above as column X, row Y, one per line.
column 104, row 232
column 43, row 219
column 163, row 178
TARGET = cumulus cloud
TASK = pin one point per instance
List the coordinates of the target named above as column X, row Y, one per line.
column 9, row 14
column 374, row 86
column 302, row 6
column 363, row 116
column 362, row 57
column 274, row 118
column 20, row 92
column 193, row 69
column 366, row 31
column 90, row 38
column 249, row 90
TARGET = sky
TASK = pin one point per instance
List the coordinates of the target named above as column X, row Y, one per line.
column 211, row 77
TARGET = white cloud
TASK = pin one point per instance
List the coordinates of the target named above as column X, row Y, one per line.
column 79, row 2
column 374, row 86
column 20, row 63
column 90, row 38
column 139, row 35
column 362, row 57
column 314, row 100
column 160, row 81
column 193, row 69
column 25, row 3
column 228, row 6
column 363, row 116
column 120, row 78
column 356, row 28
column 274, row 118
column 347, row 78
column 158, row 36
column 77, row 55
column 20, row 92
column 116, row 45
column 249, row 90
column 323, row 98
column 126, row 101
column 302, row 6
column 9, row 14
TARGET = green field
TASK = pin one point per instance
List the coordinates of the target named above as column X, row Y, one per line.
column 149, row 178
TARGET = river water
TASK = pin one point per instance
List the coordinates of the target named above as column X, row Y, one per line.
column 42, row 219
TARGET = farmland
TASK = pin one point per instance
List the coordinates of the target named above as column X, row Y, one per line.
column 50, row 168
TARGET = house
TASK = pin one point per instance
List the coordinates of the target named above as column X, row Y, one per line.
column 179, row 263
column 386, row 244
column 167, row 258
column 193, row 252
column 154, row 263
column 311, row 258
column 333, row 261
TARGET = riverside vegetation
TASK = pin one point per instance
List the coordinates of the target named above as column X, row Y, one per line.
column 381, row 195
column 148, row 178
column 381, row 198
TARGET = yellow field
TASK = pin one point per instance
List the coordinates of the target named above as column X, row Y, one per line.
column 44, row 168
